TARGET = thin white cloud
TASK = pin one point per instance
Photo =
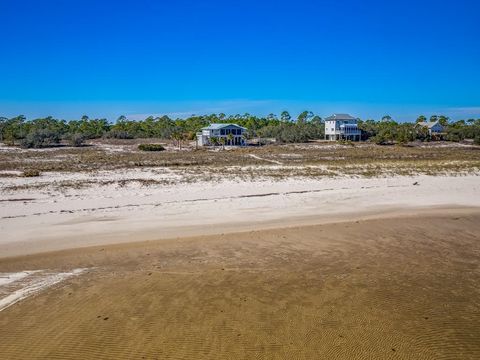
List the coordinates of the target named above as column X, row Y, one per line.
column 182, row 109
column 185, row 109
column 472, row 110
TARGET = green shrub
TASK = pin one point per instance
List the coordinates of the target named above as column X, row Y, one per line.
column 292, row 132
column 454, row 136
column 31, row 173
column 118, row 134
column 40, row 138
column 476, row 141
column 76, row 140
column 379, row 139
column 150, row 147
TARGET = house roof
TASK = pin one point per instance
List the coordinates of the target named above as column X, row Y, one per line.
column 221, row 126
column 429, row 124
column 340, row 117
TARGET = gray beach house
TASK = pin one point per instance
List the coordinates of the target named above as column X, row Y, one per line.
column 434, row 127
column 232, row 135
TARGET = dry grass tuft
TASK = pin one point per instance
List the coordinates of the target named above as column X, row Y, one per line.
column 31, row 173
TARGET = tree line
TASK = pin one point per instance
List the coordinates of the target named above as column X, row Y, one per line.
column 44, row 132
column 389, row 131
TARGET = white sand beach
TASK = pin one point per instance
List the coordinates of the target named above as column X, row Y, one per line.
column 33, row 220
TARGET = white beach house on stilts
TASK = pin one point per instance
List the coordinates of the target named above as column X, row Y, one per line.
column 342, row 127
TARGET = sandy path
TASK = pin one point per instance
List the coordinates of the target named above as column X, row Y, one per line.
column 35, row 222
column 266, row 160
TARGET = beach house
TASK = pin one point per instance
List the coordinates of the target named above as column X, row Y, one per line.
column 342, row 127
column 228, row 134
column 434, row 127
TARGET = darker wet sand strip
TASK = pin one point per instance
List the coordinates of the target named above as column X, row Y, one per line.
column 390, row 288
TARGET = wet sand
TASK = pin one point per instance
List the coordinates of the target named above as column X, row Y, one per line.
column 392, row 288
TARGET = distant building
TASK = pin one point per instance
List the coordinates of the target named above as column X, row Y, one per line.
column 232, row 134
column 342, row 126
column 434, row 127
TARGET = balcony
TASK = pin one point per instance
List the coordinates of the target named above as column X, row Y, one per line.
column 349, row 129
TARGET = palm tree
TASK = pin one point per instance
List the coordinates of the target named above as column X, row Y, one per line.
column 222, row 141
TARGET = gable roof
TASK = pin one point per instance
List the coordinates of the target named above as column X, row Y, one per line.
column 221, row 126
column 430, row 124
column 340, row 117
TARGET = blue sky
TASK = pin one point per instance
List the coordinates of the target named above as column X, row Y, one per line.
column 108, row 58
